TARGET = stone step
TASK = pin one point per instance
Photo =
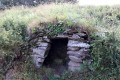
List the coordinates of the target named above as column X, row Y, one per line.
column 75, row 59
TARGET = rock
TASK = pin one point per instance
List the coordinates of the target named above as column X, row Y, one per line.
column 85, row 51
column 82, row 34
column 43, row 40
column 70, row 31
column 88, row 61
column 73, row 48
column 39, row 52
column 35, row 56
column 45, row 37
column 1, row 62
column 46, row 78
column 71, row 63
column 56, row 75
column 77, row 53
column 62, row 36
column 38, row 64
column 42, row 48
column 29, row 31
column 38, row 60
column 72, row 43
column 74, row 37
column 75, row 59
column 10, row 74
column 73, row 68
column 41, row 60
column 43, row 44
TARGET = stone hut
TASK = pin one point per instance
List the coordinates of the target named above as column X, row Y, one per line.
column 71, row 45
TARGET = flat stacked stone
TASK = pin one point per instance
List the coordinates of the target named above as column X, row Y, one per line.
column 40, row 52
column 78, row 50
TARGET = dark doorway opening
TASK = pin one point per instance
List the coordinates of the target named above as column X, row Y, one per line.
column 57, row 56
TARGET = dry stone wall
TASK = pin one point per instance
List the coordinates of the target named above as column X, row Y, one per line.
column 78, row 49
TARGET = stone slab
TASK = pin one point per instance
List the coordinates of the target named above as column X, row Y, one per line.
column 73, row 48
column 62, row 36
column 39, row 52
column 72, row 43
column 43, row 44
column 44, row 40
column 71, row 63
column 75, row 59
column 74, row 37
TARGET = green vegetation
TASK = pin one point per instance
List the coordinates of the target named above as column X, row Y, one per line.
column 102, row 23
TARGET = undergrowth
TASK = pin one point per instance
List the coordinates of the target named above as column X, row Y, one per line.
column 101, row 22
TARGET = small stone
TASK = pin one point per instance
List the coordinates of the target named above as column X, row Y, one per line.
column 45, row 37
column 73, row 68
column 38, row 65
column 29, row 31
column 46, row 78
column 41, row 60
column 81, row 34
column 75, row 59
column 74, row 37
column 71, row 63
column 10, row 74
column 56, row 76
column 88, row 61
column 70, row 31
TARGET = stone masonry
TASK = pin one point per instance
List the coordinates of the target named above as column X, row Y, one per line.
column 78, row 49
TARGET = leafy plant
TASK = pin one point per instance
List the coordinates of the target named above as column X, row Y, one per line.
column 106, row 53
column 56, row 27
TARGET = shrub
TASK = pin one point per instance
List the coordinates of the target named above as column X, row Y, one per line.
column 12, row 37
column 106, row 52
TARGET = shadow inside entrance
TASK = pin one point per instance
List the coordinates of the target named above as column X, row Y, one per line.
column 57, row 57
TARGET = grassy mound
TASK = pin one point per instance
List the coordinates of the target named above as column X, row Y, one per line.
column 102, row 23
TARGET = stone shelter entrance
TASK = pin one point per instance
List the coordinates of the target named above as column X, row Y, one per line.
column 71, row 48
